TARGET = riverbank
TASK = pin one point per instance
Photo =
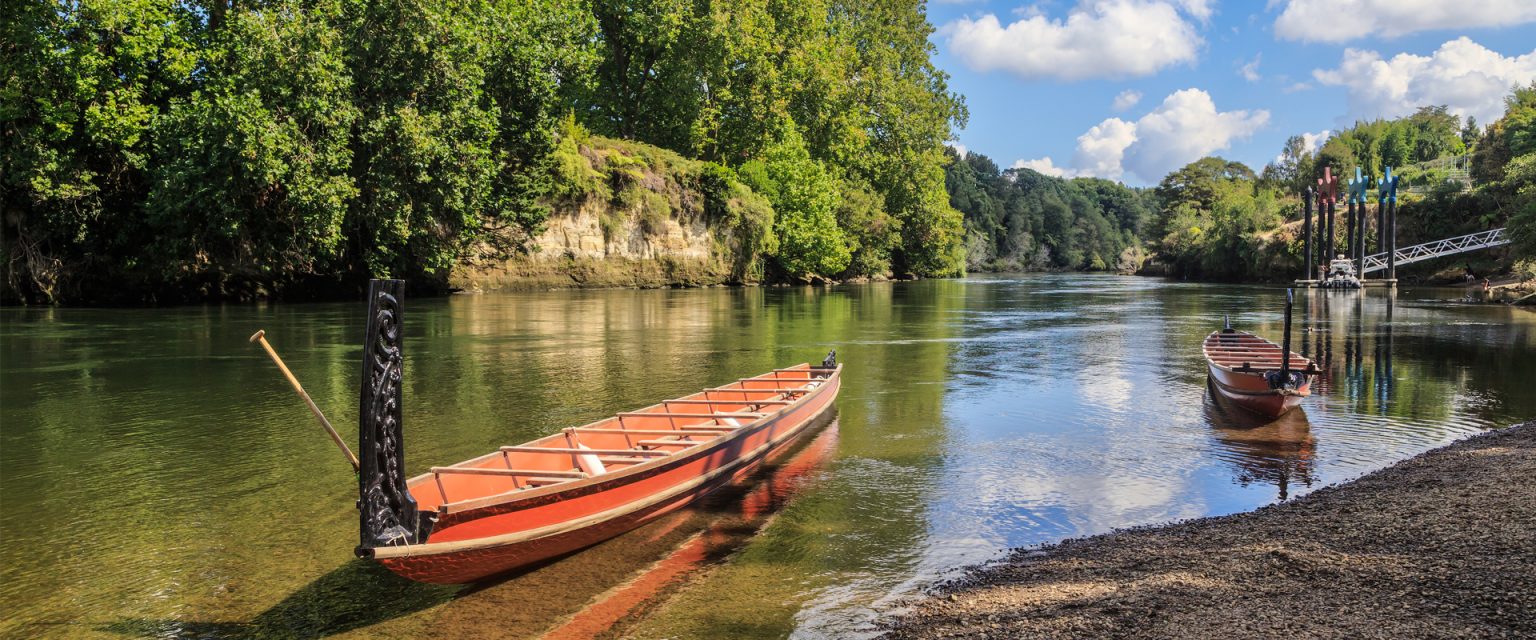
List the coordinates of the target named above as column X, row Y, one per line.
column 1440, row 545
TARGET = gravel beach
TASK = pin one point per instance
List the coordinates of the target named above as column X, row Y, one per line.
column 1440, row 545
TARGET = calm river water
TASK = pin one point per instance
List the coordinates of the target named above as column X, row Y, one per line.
column 160, row 479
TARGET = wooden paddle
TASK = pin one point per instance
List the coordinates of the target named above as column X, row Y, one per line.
column 261, row 336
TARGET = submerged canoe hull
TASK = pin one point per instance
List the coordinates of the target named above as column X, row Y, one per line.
column 495, row 538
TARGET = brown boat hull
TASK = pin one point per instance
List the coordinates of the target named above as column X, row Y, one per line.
column 502, row 537
column 1239, row 363
column 1252, row 392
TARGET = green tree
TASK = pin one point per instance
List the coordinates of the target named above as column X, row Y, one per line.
column 83, row 85
column 804, row 198
column 251, row 179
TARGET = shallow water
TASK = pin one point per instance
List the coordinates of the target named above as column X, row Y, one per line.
column 160, row 479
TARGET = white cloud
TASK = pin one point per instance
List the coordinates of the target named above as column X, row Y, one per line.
column 1341, row 20
column 1464, row 75
column 1100, row 150
column 1250, row 71
column 1043, row 166
column 959, row 148
column 1127, row 99
column 1184, row 128
column 1098, row 39
column 1299, row 86
column 1198, row 9
column 1314, row 141
column 1311, row 142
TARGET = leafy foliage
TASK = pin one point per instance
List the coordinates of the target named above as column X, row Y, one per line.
column 1021, row 220
column 164, row 151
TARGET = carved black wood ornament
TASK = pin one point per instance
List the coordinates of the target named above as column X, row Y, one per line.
column 388, row 512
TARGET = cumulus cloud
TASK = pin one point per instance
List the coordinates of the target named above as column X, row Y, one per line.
column 960, row 149
column 1184, row 128
column 1100, row 150
column 1464, row 75
column 1341, row 20
column 1098, row 39
column 1127, row 99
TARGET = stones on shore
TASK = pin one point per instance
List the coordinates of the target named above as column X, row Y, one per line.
column 1441, row 545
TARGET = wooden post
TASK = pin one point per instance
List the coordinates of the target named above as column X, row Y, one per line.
column 1306, row 234
column 1349, row 232
column 1329, row 192
column 1357, row 200
column 1285, row 347
column 1387, row 192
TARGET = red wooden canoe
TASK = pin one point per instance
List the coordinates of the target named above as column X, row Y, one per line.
column 1245, row 369
column 526, row 503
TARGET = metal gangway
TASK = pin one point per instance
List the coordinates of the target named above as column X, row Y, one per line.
column 1448, row 246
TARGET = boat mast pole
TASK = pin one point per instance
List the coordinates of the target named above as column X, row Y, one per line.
column 261, row 337
column 1285, row 348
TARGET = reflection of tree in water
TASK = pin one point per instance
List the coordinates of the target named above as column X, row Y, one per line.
column 1280, row 453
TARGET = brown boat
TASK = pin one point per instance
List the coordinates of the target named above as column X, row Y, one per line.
column 530, row 502
column 1257, row 374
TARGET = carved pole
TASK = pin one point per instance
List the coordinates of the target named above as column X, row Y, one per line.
column 1357, row 200
column 1387, row 191
column 388, row 513
column 1349, row 228
column 1381, row 227
column 1306, row 234
column 1330, row 196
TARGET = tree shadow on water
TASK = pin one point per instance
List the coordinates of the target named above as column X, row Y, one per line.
column 357, row 594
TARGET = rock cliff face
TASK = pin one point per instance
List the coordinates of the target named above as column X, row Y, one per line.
column 624, row 214
column 598, row 243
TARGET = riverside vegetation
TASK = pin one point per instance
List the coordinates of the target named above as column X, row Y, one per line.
column 164, row 152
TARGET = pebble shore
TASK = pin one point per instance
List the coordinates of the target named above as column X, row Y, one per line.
column 1442, row 545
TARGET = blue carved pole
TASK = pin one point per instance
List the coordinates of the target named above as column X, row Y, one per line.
column 1357, row 200
column 1387, row 192
column 1349, row 219
column 1365, row 201
column 1306, row 234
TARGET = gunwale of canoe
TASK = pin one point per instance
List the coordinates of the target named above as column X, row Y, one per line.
column 494, row 530
column 1230, row 353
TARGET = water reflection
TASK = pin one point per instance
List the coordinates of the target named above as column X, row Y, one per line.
column 1262, row 450
column 159, row 476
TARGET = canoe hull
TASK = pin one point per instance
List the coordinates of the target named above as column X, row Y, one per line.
column 1252, row 392
column 502, row 537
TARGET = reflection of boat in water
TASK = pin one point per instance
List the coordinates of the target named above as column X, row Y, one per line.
column 1255, row 373
column 523, row 504
column 1279, row 452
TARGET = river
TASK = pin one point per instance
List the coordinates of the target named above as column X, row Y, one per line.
column 160, row 479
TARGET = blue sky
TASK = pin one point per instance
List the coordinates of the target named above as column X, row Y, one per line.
column 1202, row 77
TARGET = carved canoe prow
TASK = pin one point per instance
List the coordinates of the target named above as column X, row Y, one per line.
column 387, row 512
